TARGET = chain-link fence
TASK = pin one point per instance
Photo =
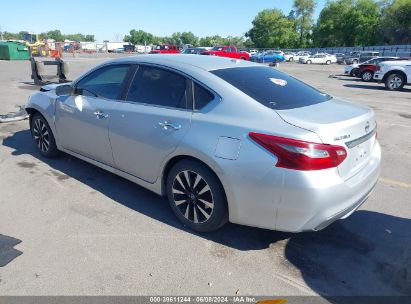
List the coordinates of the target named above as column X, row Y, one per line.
column 384, row 50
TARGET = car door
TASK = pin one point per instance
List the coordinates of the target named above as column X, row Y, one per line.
column 151, row 121
column 82, row 119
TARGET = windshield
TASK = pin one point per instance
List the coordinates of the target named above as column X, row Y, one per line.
column 162, row 47
column 271, row 87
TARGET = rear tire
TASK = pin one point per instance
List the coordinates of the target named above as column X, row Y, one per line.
column 308, row 61
column 291, row 59
column 196, row 196
column 328, row 62
column 43, row 136
column 394, row 82
column 367, row 76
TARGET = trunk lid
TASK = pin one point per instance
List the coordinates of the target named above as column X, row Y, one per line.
column 339, row 123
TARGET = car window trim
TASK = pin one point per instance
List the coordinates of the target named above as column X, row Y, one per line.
column 205, row 88
column 118, row 98
column 217, row 97
column 135, row 74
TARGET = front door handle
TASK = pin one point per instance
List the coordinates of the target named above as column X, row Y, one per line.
column 167, row 125
column 100, row 115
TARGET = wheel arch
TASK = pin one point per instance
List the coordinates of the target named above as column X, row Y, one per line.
column 177, row 158
column 402, row 73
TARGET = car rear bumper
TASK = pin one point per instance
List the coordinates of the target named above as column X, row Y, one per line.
column 317, row 200
column 296, row 201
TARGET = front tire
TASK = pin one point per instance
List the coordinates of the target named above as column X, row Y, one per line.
column 291, row 59
column 328, row 62
column 394, row 82
column 196, row 196
column 308, row 61
column 43, row 136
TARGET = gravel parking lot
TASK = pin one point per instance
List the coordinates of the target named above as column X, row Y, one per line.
column 85, row 231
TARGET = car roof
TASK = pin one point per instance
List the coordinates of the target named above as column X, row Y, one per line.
column 207, row 63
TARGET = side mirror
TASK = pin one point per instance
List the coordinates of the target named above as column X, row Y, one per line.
column 64, row 90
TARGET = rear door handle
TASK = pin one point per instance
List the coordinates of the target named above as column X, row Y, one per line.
column 100, row 115
column 167, row 125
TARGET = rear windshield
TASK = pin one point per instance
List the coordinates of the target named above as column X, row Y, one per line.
column 271, row 87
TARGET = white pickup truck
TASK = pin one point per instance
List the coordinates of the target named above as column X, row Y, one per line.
column 395, row 74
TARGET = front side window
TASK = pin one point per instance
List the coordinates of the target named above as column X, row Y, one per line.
column 156, row 86
column 271, row 87
column 105, row 82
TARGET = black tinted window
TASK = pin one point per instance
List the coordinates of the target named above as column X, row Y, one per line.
column 271, row 87
column 158, row 87
column 201, row 96
column 105, row 82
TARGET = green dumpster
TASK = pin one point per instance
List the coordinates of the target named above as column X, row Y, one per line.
column 11, row 50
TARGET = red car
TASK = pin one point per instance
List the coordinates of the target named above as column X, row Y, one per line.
column 227, row 51
column 368, row 68
column 165, row 49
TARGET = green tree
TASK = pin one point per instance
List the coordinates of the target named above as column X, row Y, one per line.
column 271, row 29
column 89, row 38
column 189, row 38
column 396, row 22
column 347, row 23
column 303, row 12
column 56, row 35
column 139, row 37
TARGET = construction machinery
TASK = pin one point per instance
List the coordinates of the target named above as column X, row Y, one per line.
column 36, row 45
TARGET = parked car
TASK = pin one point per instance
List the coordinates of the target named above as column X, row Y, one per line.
column 352, row 70
column 252, row 52
column 319, row 59
column 340, row 57
column 367, row 69
column 271, row 151
column 165, row 49
column 300, row 55
column 360, row 57
column 196, row 50
column 394, row 74
column 227, row 51
column 269, row 56
column 289, row 56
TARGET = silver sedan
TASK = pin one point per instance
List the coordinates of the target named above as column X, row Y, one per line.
column 223, row 139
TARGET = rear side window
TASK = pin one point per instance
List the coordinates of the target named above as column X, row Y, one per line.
column 105, row 82
column 160, row 87
column 201, row 97
column 271, row 87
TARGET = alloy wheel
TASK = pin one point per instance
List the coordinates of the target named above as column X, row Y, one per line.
column 367, row 76
column 41, row 135
column 395, row 82
column 193, row 196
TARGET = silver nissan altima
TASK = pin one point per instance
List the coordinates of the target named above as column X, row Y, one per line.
column 223, row 139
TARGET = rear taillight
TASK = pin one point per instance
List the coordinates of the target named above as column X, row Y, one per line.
column 301, row 155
